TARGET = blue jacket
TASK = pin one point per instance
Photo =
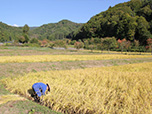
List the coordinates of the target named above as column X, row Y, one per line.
column 38, row 87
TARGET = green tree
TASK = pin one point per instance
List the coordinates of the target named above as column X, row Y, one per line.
column 26, row 38
column 25, row 34
column 60, row 43
column 135, row 5
column 34, row 40
column 145, row 12
column 72, row 42
column 149, row 42
column 21, row 39
column 97, row 40
column 124, row 28
column 86, row 44
column 128, row 45
column 91, row 47
column 131, row 28
column 26, row 29
column 100, row 46
column 44, row 43
column 2, row 37
column 78, row 45
column 122, row 44
column 142, row 33
column 109, row 43
column 136, row 44
column 51, row 45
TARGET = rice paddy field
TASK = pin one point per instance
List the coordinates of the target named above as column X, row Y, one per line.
column 54, row 58
column 82, row 82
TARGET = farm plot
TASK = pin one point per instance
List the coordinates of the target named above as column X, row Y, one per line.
column 115, row 89
column 54, row 58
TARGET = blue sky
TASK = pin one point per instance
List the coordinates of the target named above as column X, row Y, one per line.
column 39, row 12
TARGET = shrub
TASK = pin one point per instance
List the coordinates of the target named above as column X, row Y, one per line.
column 78, row 45
column 34, row 40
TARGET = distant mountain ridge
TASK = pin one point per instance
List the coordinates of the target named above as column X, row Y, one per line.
column 31, row 28
column 54, row 31
column 51, row 31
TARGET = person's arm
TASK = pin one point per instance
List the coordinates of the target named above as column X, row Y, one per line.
column 43, row 91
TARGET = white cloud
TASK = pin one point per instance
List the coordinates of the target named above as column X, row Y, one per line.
column 15, row 25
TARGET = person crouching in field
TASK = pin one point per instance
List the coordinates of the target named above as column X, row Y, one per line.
column 39, row 89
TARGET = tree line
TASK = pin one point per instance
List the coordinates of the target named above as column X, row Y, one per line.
column 111, row 44
column 108, row 43
column 55, row 31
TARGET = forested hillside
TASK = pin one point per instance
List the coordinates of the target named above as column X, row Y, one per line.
column 51, row 31
column 9, row 33
column 55, row 31
column 131, row 20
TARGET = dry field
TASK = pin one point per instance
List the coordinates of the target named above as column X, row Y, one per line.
column 115, row 89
